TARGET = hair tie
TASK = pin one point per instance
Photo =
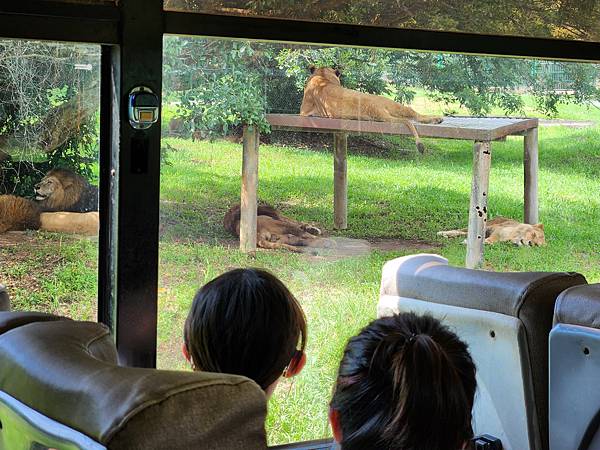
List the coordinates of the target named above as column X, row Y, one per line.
column 412, row 338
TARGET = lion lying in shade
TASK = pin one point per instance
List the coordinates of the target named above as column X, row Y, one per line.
column 324, row 96
column 64, row 202
column 502, row 229
column 19, row 214
column 275, row 231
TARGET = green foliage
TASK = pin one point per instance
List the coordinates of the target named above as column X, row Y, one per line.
column 570, row 19
column 57, row 96
column 79, row 154
column 48, row 111
column 220, row 84
column 218, row 90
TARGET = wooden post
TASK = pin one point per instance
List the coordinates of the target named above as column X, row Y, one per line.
column 340, row 181
column 482, row 158
column 249, row 191
column 530, row 165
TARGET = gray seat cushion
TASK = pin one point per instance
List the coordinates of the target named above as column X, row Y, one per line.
column 579, row 305
column 66, row 371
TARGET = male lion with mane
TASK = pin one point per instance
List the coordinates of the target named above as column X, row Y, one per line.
column 324, row 96
column 502, row 229
column 63, row 190
column 275, row 231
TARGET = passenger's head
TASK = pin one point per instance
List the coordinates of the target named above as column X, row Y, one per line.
column 405, row 382
column 246, row 322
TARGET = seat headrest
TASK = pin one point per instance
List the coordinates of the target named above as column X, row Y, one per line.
column 579, row 305
column 67, row 371
column 4, row 300
column 428, row 277
column 14, row 319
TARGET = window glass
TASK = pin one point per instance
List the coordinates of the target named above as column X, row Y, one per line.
column 49, row 122
column 398, row 198
column 551, row 19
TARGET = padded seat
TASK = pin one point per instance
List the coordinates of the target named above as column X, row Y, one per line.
column 60, row 387
column 505, row 318
column 575, row 369
column 14, row 319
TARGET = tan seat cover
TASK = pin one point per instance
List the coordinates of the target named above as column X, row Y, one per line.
column 66, row 371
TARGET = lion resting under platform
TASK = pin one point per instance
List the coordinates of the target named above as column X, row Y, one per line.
column 324, row 96
column 275, row 231
column 502, row 229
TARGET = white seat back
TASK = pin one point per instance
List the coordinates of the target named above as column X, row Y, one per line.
column 505, row 319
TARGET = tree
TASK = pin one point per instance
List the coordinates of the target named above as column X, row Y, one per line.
column 221, row 84
column 569, row 19
column 48, row 110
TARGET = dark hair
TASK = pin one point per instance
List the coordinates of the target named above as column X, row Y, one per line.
column 245, row 322
column 405, row 382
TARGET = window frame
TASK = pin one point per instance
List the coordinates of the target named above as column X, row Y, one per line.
column 131, row 36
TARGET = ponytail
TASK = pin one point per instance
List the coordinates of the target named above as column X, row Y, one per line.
column 405, row 382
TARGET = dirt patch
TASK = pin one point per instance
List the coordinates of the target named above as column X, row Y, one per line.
column 388, row 245
column 13, row 238
column 341, row 247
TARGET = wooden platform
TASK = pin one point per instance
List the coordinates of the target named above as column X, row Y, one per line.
column 480, row 130
column 465, row 128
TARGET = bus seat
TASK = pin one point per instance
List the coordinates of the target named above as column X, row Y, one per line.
column 575, row 370
column 61, row 388
column 4, row 300
column 505, row 318
column 14, row 319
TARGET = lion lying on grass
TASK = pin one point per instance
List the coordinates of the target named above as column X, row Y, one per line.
column 324, row 96
column 63, row 190
column 502, row 229
column 65, row 203
column 69, row 222
column 18, row 214
column 275, row 231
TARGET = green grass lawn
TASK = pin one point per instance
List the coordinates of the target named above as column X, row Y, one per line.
column 401, row 195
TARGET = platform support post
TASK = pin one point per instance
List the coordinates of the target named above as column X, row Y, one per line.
column 482, row 158
column 248, row 202
column 530, row 166
column 340, row 181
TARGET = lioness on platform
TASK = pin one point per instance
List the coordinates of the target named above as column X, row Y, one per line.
column 501, row 229
column 324, row 96
column 274, row 230
column 18, row 214
column 63, row 190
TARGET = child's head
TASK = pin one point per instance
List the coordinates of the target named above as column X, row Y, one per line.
column 246, row 322
column 404, row 382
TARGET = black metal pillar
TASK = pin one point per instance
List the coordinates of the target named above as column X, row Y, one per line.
column 138, row 62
